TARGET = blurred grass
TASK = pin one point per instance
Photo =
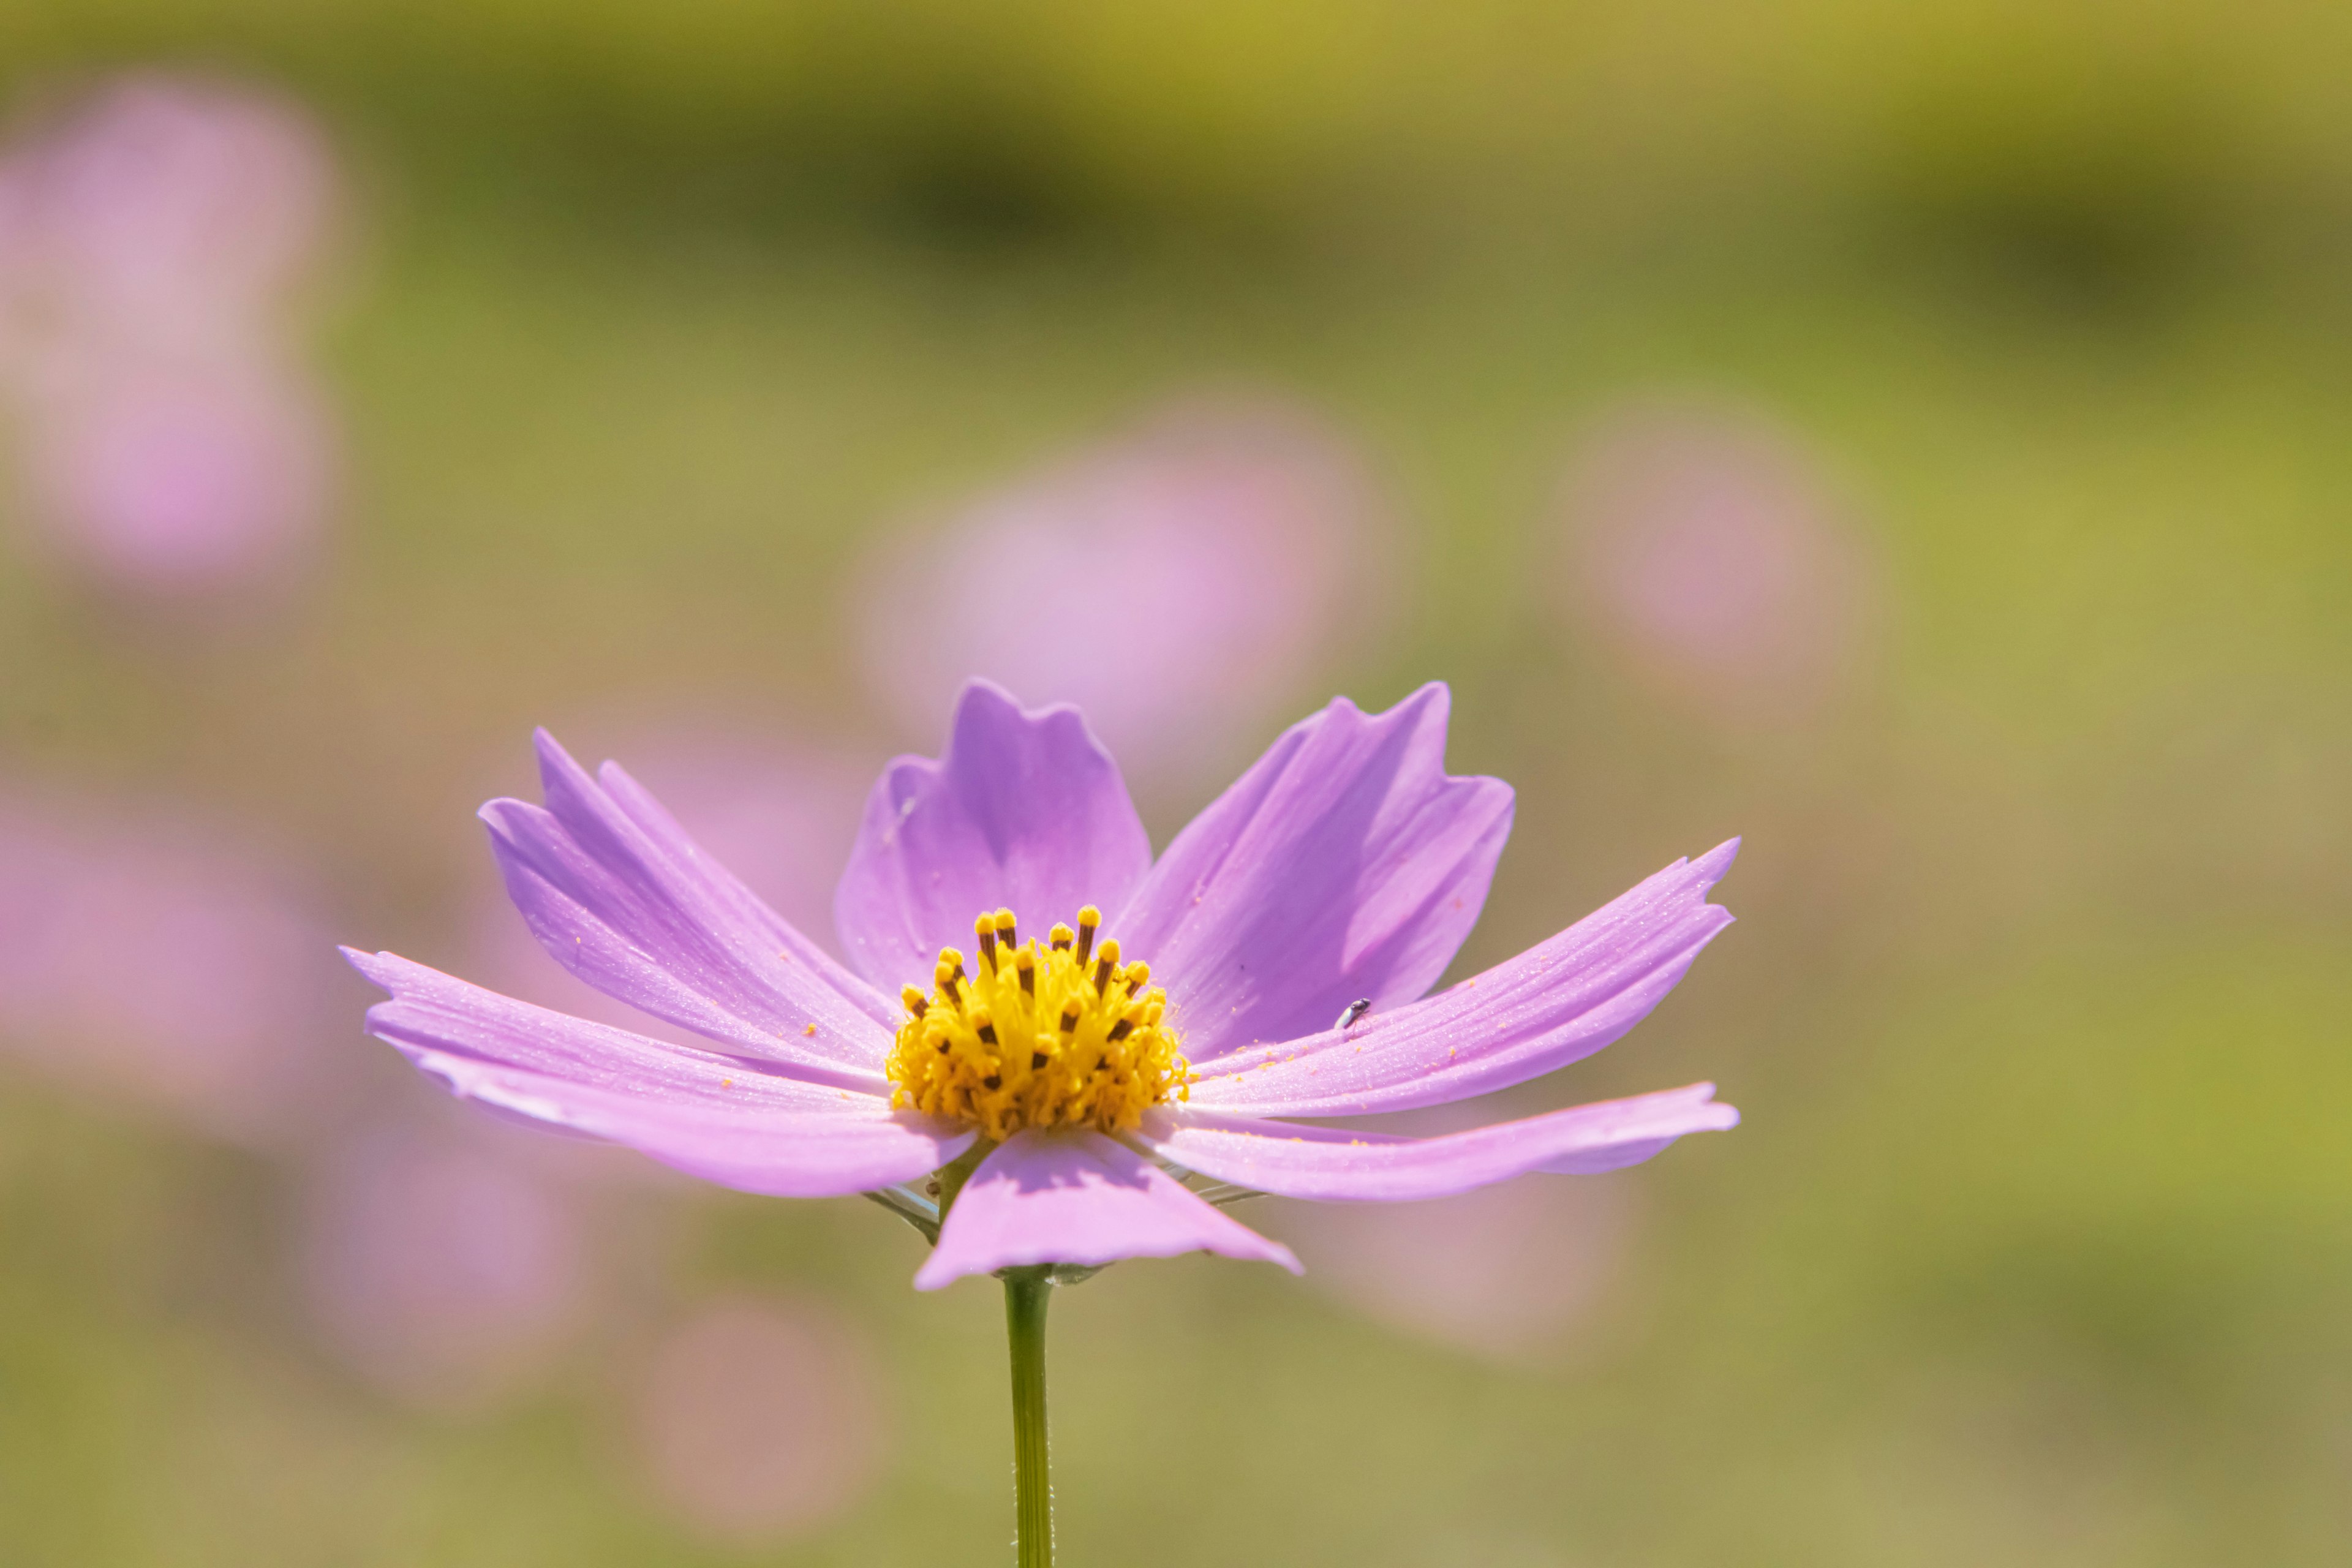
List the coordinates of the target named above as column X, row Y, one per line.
column 2037, row 1242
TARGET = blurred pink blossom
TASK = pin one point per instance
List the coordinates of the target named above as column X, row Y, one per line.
column 1710, row 549
column 1506, row 1272
column 442, row 1269
column 758, row 1421
column 153, row 241
column 154, row 957
column 162, row 212
column 184, row 481
column 1181, row 584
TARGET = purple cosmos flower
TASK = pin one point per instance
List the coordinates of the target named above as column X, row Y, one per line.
column 1237, row 534
column 1051, row 1090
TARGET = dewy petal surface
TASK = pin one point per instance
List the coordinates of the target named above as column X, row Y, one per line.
column 1346, row 864
column 1026, row 811
column 1335, row 1165
column 618, row 894
column 1081, row 1198
column 741, row 1123
column 1557, row 1003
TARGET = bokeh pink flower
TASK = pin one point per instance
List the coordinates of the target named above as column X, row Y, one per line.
column 182, row 481
column 160, row 958
column 1181, row 584
column 442, row 1269
column 1508, row 1273
column 1712, row 551
column 155, row 241
column 757, row 1421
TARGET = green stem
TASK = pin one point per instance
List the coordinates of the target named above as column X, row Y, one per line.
column 1024, row 1325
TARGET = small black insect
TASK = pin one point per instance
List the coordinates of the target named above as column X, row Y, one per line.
column 1356, row 1009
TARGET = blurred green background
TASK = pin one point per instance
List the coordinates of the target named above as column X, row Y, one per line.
column 648, row 322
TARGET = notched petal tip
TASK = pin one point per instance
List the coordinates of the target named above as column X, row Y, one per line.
column 1430, row 691
column 984, row 701
column 1345, row 862
column 1023, row 808
column 979, row 694
column 499, row 814
column 376, row 968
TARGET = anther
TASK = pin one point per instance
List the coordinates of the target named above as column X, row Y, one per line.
column 1079, row 1072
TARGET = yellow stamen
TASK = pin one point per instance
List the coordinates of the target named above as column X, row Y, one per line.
column 1033, row 1039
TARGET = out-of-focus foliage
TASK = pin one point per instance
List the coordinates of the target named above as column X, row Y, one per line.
column 2092, row 121
column 1910, row 437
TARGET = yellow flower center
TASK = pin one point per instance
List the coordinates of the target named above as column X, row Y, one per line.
column 1052, row 1034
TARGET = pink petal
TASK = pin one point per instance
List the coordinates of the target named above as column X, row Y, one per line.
column 741, row 1123
column 654, row 821
column 1557, row 1003
column 618, row 894
column 1346, row 864
column 1335, row 1165
column 1026, row 811
column 1080, row 1197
